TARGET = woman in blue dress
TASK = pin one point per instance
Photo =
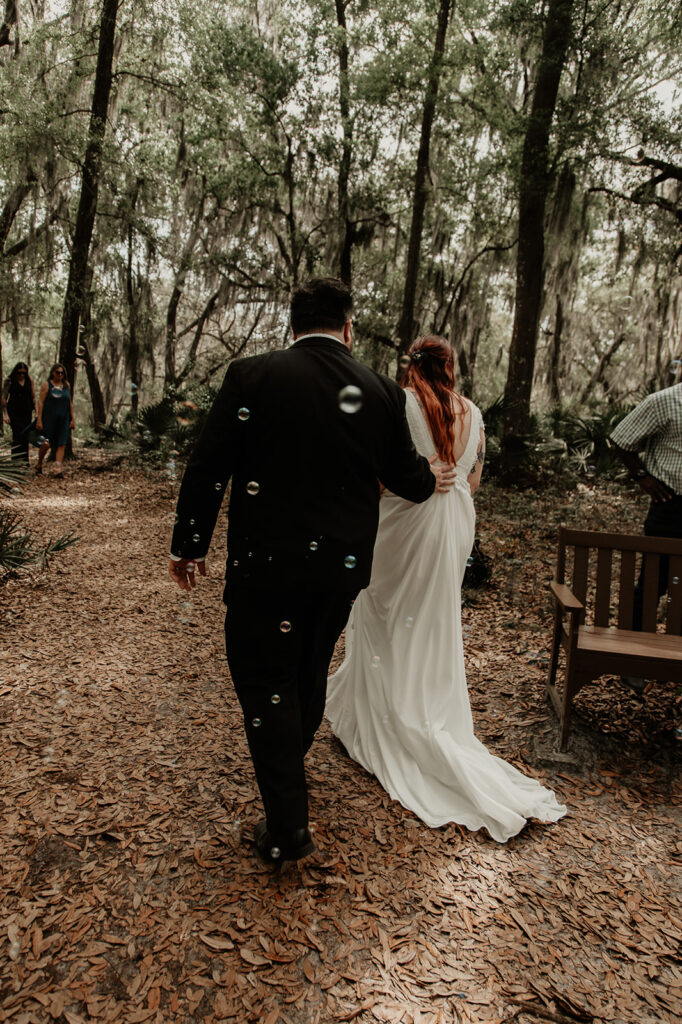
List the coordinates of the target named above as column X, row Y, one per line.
column 55, row 417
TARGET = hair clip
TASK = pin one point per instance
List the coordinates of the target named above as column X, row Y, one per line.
column 416, row 357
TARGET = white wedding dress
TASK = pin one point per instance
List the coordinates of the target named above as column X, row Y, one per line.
column 399, row 703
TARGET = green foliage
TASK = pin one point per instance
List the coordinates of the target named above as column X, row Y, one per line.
column 173, row 424
column 19, row 547
column 221, row 188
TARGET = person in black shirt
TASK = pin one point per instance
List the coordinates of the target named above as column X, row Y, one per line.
column 18, row 404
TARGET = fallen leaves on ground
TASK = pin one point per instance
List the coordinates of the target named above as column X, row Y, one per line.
column 130, row 893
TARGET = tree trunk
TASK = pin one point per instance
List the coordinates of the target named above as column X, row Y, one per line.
column 133, row 340
column 11, row 20
column 170, row 374
column 99, row 414
column 555, row 354
column 407, row 326
column 533, row 190
column 75, row 299
column 2, row 384
column 346, row 231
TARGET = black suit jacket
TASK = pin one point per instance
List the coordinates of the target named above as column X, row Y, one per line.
column 304, row 502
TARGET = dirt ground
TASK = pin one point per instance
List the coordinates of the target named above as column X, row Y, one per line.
column 129, row 891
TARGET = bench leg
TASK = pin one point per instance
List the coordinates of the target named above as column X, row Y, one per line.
column 571, row 687
column 554, row 656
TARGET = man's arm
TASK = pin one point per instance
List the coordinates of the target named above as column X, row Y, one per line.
column 409, row 474
column 203, row 485
column 627, row 438
column 656, row 489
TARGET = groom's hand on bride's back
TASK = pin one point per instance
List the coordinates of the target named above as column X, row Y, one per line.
column 444, row 474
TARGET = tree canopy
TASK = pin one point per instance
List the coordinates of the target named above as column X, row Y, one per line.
column 250, row 145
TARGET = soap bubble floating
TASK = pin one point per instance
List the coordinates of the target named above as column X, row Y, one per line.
column 187, row 414
column 244, row 413
column 350, row 561
column 350, row 399
column 252, row 488
column 285, row 627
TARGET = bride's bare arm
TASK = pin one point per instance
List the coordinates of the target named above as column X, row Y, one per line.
column 474, row 477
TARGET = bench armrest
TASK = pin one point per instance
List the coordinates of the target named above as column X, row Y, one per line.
column 566, row 598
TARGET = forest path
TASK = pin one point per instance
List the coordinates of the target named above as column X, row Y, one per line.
column 129, row 890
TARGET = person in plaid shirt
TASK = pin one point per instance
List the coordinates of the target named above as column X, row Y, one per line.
column 649, row 441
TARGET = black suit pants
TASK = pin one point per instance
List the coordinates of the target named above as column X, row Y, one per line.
column 279, row 645
column 664, row 519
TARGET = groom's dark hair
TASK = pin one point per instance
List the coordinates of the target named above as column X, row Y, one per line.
column 321, row 302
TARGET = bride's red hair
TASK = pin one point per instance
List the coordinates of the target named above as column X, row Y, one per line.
column 431, row 375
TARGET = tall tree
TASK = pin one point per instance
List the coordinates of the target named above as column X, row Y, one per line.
column 534, row 184
column 346, row 227
column 75, row 301
column 406, row 325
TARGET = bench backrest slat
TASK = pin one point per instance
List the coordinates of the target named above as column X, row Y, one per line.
column 651, row 549
column 674, row 615
column 626, row 590
column 602, row 600
column 650, row 595
column 580, row 567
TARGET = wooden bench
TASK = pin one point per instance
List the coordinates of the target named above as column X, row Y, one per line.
column 594, row 630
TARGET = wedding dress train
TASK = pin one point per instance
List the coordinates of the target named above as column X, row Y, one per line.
column 399, row 703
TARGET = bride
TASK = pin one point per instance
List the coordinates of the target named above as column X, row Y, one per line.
column 399, row 703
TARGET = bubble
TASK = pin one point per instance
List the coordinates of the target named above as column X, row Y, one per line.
column 409, row 622
column 244, row 413
column 591, row 471
column 218, row 486
column 675, row 365
column 252, row 488
column 350, row 561
column 678, row 732
column 376, row 661
column 275, row 699
column 404, row 362
column 236, row 562
column 191, row 522
column 256, row 723
column 470, row 561
column 275, row 852
column 14, row 950
column 132, row 387
column 191, row 567
column 676, row 580
column 285, row 627
column 196, row 538
column 313, row 545
column 350, row 399
column 187, row 414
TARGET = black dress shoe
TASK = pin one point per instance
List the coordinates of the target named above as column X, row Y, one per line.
column 288, row 846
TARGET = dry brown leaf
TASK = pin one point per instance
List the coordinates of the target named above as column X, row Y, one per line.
column 216, row 942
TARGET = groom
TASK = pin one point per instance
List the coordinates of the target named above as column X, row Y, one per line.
column 305, row 435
